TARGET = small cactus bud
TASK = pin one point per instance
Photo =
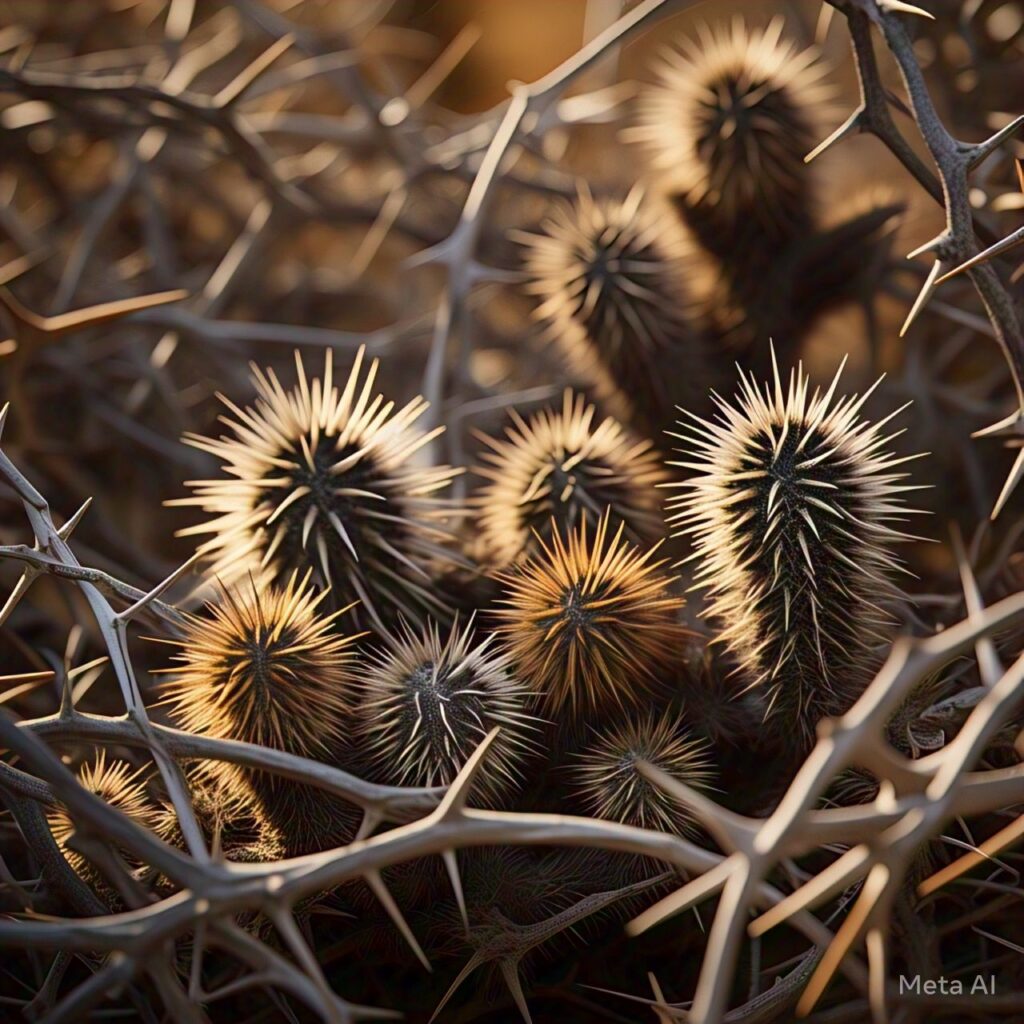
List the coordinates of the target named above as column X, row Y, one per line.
column 590, row 622
column 549, row 470
column 426, row 704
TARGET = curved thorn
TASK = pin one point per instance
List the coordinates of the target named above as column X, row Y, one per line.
column 1011, row 426
column 898, row 7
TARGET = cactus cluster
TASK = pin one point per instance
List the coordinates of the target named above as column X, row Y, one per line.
column 608, row 580
column 578, row 653
column 726, row 127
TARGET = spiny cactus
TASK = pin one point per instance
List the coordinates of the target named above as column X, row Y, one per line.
column 590, row 620
column 728, row 123
column 118, row 784
column 264, row 665
column 609, row 275
column 426, row 704
column 550, row 469
column 322, row 476
column 790, row 512
column 611, row 786
column 231, row 816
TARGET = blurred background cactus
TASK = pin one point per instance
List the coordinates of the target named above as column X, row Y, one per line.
column 394, row 402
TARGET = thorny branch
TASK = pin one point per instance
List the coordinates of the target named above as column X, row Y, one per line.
column 956, row 248
column 924, row 794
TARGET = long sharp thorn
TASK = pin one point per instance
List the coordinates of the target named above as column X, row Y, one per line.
column 898, row 7
column 510, row 972
column 1005, row 245
column 380, row 890
column 851, row 126
column 981, row 150
column 451, row 863
column 927, row 289
column 454, row 801
column 1016, row 473
column 473, row 963
column 147, row 599
column 69, row 527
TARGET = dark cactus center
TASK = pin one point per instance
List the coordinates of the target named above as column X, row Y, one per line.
column 441, row 710
column 264, row 664
column 323, row 495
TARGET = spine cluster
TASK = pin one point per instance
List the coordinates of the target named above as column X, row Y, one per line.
column 326, row 476
column 551, row 470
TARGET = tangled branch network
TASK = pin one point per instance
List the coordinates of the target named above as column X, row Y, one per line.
column 329, row 520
